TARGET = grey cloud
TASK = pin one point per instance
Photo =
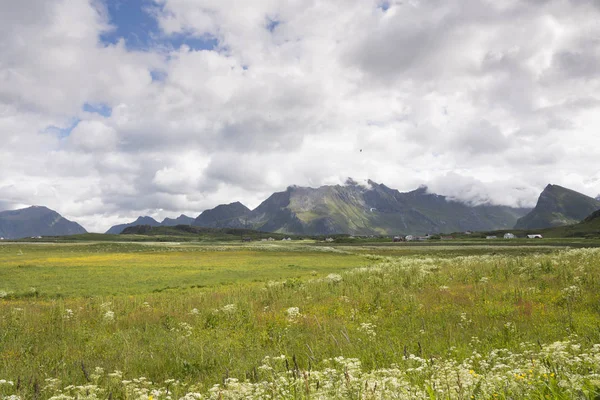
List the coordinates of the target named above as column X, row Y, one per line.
column 482, row 100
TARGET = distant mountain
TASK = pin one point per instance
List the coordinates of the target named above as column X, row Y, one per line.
column 36, row 221
column 117, row 229
column 360, row 210
column 558, row 206
column 181, row 220
column 223, row 216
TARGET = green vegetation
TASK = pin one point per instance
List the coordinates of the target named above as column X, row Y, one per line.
column 558, row 206
column 299, row 320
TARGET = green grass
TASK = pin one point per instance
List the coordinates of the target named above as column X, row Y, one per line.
column 62, row 270
column 203, row 314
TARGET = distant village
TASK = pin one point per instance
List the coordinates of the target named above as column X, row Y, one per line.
column 411, row 238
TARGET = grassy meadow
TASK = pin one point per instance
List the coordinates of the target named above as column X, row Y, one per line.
column 298, row 320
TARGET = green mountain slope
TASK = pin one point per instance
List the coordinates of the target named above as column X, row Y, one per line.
column 189, row 233
column 181, row 220
column 558, row 206
column 223, row 216
column 371, row 210
column 36, row 221
column 117, row 229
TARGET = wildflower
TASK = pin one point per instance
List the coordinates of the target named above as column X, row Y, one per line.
column 229, row 308
column 369, row 329
column 194, row 311
column 571, row 292
column 293, row 313
column 109, row 316
column 68, row 314
column 106, row 305
column 334, row 278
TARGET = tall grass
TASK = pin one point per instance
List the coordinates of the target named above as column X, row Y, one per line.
column 395, row 316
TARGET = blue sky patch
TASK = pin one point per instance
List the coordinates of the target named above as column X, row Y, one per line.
column 384, row 5
column 158, row 75
column 65, row 131
column 101, row 109
column 134, row 21
column 272, row 24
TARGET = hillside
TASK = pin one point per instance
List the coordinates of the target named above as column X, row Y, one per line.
column 117, row 229
column 36, row 221
column 223, row 216
column 558, row 206
column 361, row 210
column 187, row 232
column 181, row 220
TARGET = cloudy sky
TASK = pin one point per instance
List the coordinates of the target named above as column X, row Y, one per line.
column 114, row 108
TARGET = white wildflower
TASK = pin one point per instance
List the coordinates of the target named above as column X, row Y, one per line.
column 334, row 278
column 368, row 329
column 229, row 308
column 68, row 314
column 109, row 316
column 293, row 313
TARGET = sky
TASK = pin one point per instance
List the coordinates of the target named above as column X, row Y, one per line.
column 110, row 109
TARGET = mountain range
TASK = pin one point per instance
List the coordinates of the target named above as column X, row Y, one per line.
column 374, row 209
column 36, row 221
column 371, row 209
column 181, row 220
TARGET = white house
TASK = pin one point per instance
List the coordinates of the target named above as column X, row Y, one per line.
column 509, row 236
column 329, row 239
column 535, row 236
column 409, row 238
column 491, row 237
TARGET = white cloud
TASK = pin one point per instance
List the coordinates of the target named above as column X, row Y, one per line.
column 478, row 99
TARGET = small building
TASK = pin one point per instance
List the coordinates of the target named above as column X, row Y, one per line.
column 468, row 233
column 1, row 238
column 509, row 236
column 329, row 240
column 270, row 239
column 535, row 236
column 491, row 237
column 398, row 239
column 409, row 238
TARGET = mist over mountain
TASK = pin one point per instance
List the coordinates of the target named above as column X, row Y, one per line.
column 558, row 206
column 36, row 221
column 370, row 209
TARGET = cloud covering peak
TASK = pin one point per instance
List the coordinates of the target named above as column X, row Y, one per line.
column 480, row 100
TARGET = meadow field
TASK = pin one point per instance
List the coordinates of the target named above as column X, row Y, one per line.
column 299, row 320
